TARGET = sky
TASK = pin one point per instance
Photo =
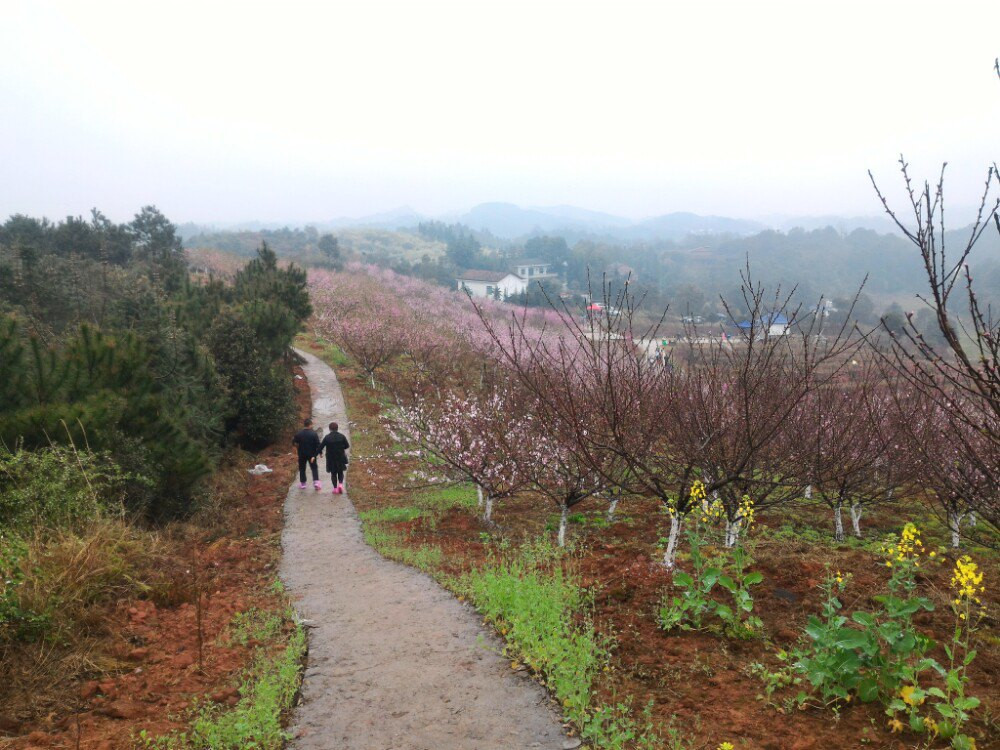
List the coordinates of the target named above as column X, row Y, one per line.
column 294, row 112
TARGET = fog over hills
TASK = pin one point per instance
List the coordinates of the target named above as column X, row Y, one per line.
column 509, row 221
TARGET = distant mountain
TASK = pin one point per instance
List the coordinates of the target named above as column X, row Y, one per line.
column 397, row 218
column 510, row 222
column 878, row 223
column 681, row 224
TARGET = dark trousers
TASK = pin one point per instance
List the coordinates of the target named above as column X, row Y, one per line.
column 302, row 469
column 337, row 475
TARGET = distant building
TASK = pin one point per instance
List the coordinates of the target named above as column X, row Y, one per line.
column 492, row 284
column 531, row 269
column 776, row 325
column 503, row 284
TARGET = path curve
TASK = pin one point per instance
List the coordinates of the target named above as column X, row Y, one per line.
column 394, row 660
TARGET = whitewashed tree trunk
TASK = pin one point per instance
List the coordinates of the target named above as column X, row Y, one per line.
column 563, row 516
column 670, row 555
column 838, row 523
column 809, row 492
column 856, row 519
column 612, row 508
column 733, row 532
column 479, row 496
column 954, row 526
column 970, row 519
column 488, row 514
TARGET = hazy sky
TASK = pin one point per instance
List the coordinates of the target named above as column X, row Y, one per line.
column 286, row 111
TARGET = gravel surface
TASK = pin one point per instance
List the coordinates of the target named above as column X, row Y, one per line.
column 395, row 661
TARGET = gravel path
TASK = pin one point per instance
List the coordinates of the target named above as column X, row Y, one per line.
column 394, row 660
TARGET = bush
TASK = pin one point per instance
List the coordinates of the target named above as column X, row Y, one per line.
column 57, row 487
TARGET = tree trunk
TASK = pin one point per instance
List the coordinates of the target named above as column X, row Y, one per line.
column 856, row 519
column 733, row 532
column 563, row 515
column 612, row 507
column 809, row 492
column 488, row 514
column 670, row 555
column 954, row 526
column 838, row 522
column 479, row 496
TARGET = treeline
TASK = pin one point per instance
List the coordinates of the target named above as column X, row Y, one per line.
column 108, row 348
column 306, row 244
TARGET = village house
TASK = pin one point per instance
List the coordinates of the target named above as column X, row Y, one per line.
column 492, row 284
column 504, row 284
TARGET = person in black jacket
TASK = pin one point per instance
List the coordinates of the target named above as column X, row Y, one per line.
column 336, row 444
column 307, row 442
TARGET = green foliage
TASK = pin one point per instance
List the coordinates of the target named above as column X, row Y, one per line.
column 106, row 344
column 260, row 395
column 56, row 487
column 616, row 728
column 267, row 693
column 17, row 622
column 694, row 602
column 389, row 515
column 534, row 606
column 255, row 625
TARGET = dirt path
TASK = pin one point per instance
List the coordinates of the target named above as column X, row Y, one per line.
column 394, row 660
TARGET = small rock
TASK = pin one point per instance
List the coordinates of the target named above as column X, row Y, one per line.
column 123, row 709
column 571, row 743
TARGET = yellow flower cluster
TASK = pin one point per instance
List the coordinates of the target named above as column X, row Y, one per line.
column 698, row 491
column 967, row 581
column 747, row 511
column 725, row 746
column 907, row 549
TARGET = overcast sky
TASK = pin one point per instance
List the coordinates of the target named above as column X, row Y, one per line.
column 285, row 111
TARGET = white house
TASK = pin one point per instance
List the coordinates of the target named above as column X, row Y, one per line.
column 492, row 284
column 531, row 269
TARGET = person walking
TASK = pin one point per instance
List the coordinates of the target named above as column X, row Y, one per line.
column 336, row 444
column 307, row 442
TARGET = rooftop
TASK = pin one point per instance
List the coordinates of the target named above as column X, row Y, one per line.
column 474, row 274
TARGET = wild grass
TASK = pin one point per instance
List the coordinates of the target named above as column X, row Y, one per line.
column 392, row 545
column 533, row 604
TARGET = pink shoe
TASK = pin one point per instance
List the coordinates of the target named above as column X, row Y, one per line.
column 340, row 490
column 302, row 485
column 317, row 486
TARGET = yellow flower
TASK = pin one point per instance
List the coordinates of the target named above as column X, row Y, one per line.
column 725, row 746
column 931, row 726
column 907, row 695
column 896, row 726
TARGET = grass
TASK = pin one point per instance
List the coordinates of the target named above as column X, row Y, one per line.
column 254, row 625
column 268, row 691
column 389, row 515
column 391, row 544
column 533, row 603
